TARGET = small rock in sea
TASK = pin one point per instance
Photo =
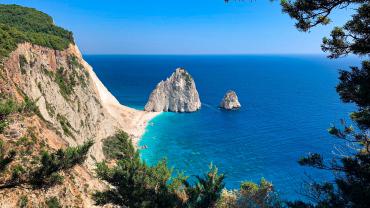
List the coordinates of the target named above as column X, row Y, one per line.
column 230, row 101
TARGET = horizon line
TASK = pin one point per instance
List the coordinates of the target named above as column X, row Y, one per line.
column 200, row 54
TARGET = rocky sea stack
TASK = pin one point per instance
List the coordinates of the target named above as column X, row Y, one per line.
column 230, row 101
column 177, row 94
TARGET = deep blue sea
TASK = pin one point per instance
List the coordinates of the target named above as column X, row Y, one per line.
column 288, row 102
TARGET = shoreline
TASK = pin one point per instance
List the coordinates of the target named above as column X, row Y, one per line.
column 130, row 120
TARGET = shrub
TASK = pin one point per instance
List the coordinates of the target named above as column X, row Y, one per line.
column 53, row 202
column 22, row 202
column 135, row 184
column 66, row 126
column 207, row 190
column 51, row 163
column 22, row 63
column 117, row 146
column 5, row 159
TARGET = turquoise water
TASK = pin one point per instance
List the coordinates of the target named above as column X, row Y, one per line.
column 288, row 102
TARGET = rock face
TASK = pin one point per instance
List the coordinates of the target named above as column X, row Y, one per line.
column 177, row 94
column 230, row 101
column 73, row 106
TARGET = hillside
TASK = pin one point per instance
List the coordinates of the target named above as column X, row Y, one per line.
column 20, row 24
column 51, row 99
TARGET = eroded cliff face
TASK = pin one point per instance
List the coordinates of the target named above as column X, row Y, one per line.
column 177, row 94
column 74, row 106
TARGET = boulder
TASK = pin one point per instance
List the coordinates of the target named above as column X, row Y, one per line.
column 230, row 101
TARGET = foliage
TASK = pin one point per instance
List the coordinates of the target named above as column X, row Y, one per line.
column 351, row 187
column 116, row 147
column 52, row 163
column 53, row 202
column 22, row 63
column 258, row 195
column 7, row 107
column 251, row 195
column 21, row 24
column 66, row 126
column 207, row 190
column 136, row 184
column 64, row 82
column 5, row 159
column 229, row 199
column 354, row 87
column 23, row 201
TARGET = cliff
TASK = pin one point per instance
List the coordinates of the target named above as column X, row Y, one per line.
column 177, row 94
column 72, row 107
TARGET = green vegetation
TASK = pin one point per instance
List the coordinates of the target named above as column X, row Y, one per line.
column 351, row 187
column 136, row 184
column 207, row 191
column 23, row 201
column 5, row 159
column 53, row 202
column 113, row 146
column 22, row 63
column 64, row 82
column 7, row 107
column 66, row 126
column 52, row 163
column 50, row 109
column 139, row 185
column 47, row 173
column 21, row 24
column 251, row 195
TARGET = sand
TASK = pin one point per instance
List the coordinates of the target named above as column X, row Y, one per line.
column 130, row 120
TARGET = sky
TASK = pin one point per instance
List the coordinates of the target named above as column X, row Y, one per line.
column 182, row 26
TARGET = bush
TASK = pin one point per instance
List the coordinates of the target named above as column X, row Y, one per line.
column 207, row 190
column 135, row 184
column 5, row 159
column 22, row 202
column 251, row 195
column 9, row 106
column 65, row 83
column 53, row 202
column 117, row 146
column 52, row 163
column 6, row 108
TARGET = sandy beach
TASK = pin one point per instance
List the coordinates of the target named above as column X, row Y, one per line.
column 130, row 120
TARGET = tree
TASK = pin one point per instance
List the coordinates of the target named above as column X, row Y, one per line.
column 51, row 163
column 351, row 187
column 135, row 184
column 207, row 191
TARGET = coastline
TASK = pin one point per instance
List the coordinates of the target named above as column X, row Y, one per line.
column 130, row 120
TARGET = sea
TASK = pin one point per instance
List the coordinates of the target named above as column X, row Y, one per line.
column 288, row 103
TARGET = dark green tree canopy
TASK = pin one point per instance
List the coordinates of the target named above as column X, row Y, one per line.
column 351, row 187
column 21, row 24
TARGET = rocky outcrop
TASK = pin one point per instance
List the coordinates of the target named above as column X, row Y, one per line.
column 73, row 106
column 177, row 94
column 230, row 101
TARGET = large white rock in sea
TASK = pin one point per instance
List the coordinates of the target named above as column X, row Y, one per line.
column 177, row 94
column 230, row 101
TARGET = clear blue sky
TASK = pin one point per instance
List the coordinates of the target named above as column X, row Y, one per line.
column 181, row 26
